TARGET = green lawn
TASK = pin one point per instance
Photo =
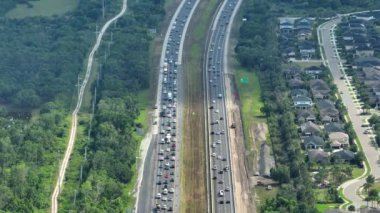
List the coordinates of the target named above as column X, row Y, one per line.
column 143, row 105
column 250, row 94
column 43, row 8
column 263, row 194
column 322, row 207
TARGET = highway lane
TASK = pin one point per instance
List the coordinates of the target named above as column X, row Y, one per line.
column 332, row 59
column 160, row 185
column 74, row 117
column 218, row 141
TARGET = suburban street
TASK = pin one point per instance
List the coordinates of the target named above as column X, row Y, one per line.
column 222, row 193
column 159, row 188
column 327, row 39
column 74, row 115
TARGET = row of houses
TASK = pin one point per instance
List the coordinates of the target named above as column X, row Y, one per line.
column 317, row 116
column 359, row 36
column 296, row 38
column 361, row 40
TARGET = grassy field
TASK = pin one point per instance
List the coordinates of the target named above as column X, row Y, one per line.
column 193, row 172
column 250, row 96
column 143, row 105
column 322, row 207
column 43, row 8
column 263, row 194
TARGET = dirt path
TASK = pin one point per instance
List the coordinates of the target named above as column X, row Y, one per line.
column 243, row 199
column 74, row 116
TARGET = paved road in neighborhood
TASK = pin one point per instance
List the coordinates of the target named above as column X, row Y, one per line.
column 350, row 188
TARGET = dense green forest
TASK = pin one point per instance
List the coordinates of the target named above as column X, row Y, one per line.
column 41, row 60
column 112, row 148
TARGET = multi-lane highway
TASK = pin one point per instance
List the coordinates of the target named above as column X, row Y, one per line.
column 160, row 188
column 221, row 184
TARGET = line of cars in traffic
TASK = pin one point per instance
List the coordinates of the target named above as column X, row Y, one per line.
column 218, row 138
column 165, row 190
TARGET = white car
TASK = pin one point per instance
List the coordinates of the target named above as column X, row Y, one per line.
column 213, row 154
column 221, row 193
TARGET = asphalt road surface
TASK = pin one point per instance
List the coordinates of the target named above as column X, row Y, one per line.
column 350, row 188
column 218, row 142
column 160, row 186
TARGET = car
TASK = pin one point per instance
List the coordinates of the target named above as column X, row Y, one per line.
column 220, row 157
column 213, row 145
column 164, row 198
column 158, row 196
column 221, row 193
column 226, row 169
column 366, row 131
column 171, row 190
column 219, row 141
column 213, row 154
column 216, row 111
column 227, row 201
column 159, row 174
column 227, row 189
column 221, row 181
column 159, row 182
column 214, row 178
column 165, row 191
column 215, row 167
column 221, row 202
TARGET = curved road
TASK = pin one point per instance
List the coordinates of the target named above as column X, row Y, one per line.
column 74, row 116
column 327, row 40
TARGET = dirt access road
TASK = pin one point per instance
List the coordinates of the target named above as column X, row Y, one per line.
column 74, row 117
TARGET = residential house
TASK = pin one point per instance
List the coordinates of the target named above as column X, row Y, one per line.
column 347, row 36
column 309, row 128
column 318, row 156
column 364, row 51
column 296, row 83
column 302, row 102
column 334, row 127
column 292, row 73
column 343, row 156
column 304, row 34
column 319, row 89
column 286, row 27
column 313, row 71
column 339, row 137
column 306, row 115
column 307, row 49
column 313, row 142
column 299, row 92
column 366, row 62
column 327, row 108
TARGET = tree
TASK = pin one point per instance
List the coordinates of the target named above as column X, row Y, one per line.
column 280, row 174
column 351, row 208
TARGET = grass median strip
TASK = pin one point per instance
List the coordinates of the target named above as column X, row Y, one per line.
column 193, row 174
